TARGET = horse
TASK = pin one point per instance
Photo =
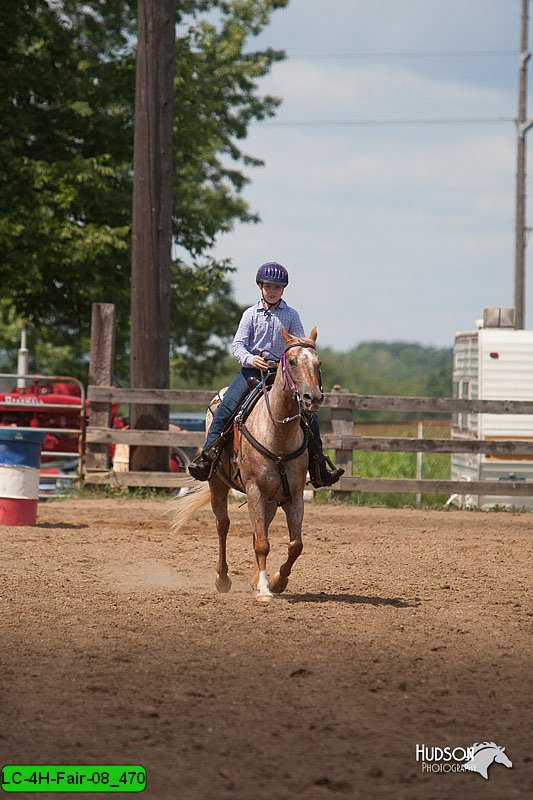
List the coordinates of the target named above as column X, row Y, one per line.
column 268, row 463
column 484, row 754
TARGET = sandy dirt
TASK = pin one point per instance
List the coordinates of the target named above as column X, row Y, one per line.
column 398, row 628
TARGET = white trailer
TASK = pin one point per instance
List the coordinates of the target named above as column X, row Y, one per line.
column 494, row 362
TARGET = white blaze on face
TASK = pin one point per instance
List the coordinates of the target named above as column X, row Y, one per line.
column 307, row 374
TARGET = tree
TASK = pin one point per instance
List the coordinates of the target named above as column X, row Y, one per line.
column 397, row 368
column 64, row 221
column 66, row 122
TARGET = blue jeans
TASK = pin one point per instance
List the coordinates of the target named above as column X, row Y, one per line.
column 233, row 397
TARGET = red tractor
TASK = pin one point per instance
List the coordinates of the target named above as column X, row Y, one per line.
column 57, row 405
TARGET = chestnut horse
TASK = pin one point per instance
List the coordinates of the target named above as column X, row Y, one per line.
column 269, row 464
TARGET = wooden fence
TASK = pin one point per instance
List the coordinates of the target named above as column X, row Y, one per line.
column 343, row 440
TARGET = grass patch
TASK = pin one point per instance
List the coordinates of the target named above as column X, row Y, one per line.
column 93, row 492
column 366, row 464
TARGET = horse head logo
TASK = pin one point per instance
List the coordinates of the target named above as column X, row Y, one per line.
column 484, row 754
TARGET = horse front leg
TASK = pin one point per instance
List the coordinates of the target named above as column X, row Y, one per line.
column 219, row 504
column 294, row 511
column 261, row 515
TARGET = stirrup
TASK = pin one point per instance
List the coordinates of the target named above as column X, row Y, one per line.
column 329, row 477
column 319, row 474
column 203, row 466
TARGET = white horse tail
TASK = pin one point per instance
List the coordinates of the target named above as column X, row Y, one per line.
column 182, row 507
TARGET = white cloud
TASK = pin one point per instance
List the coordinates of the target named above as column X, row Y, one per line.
column 389, row 232
column 353, row 91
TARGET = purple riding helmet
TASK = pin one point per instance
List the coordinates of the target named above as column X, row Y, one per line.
column 272, row 272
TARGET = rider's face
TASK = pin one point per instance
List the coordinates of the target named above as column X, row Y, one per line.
column 272, row 292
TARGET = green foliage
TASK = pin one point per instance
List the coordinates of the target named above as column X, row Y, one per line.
column 383, row 368
column 203, row 312
column 66, row 150
column 9, row 337
column 396, row 368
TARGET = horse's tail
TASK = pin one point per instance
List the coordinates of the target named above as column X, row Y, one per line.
column 181, row 508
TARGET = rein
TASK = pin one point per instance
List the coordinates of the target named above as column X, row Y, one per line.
column 287, row 378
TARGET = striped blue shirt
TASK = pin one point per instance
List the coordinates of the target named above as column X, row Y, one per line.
column 259, row 332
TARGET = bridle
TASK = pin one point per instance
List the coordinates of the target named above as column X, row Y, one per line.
column 289, row 379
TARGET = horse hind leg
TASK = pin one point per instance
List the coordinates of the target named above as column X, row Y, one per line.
column 219, row 504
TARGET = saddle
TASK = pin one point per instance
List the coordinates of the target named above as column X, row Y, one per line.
column 255, row 390
column 236, row 426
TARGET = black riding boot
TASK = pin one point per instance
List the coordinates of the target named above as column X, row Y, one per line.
column 319, row 473
column 204, row 463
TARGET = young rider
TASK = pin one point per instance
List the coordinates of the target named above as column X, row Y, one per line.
column 258, row 340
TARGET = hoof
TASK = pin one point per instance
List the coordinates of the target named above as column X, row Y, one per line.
column 264, row 598
column 223, row 583
column 278, row 584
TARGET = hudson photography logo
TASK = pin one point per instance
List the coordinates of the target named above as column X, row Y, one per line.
column 476, row 758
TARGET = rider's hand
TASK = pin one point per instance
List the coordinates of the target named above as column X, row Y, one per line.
column 259, row 363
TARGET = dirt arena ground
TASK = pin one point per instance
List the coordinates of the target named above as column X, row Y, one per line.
column 398, row 628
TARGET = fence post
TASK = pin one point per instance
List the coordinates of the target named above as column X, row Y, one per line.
column 420, row 435
column 101, row 374
column 342, row 423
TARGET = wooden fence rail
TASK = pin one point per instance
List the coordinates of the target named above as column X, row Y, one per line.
column 343, row 440
column 337, row 399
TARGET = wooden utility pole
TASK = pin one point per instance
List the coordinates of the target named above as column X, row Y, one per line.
column 152, row 220
column 523, row 126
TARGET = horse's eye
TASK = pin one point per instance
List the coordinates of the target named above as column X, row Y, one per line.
column 320, row 363
column 292, row 362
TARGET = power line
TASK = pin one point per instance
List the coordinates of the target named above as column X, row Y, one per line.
column 414, row 121
column 411, row 54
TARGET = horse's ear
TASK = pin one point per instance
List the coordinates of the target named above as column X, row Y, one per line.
column 285, row 335
column 313, row 334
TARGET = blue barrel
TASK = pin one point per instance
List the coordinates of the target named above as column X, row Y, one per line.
column 20, row 456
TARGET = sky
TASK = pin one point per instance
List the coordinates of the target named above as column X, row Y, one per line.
column 402, row 230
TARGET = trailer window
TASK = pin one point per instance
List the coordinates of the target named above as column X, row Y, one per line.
column 461, row 391
column 465, row 395
column 455, row 393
